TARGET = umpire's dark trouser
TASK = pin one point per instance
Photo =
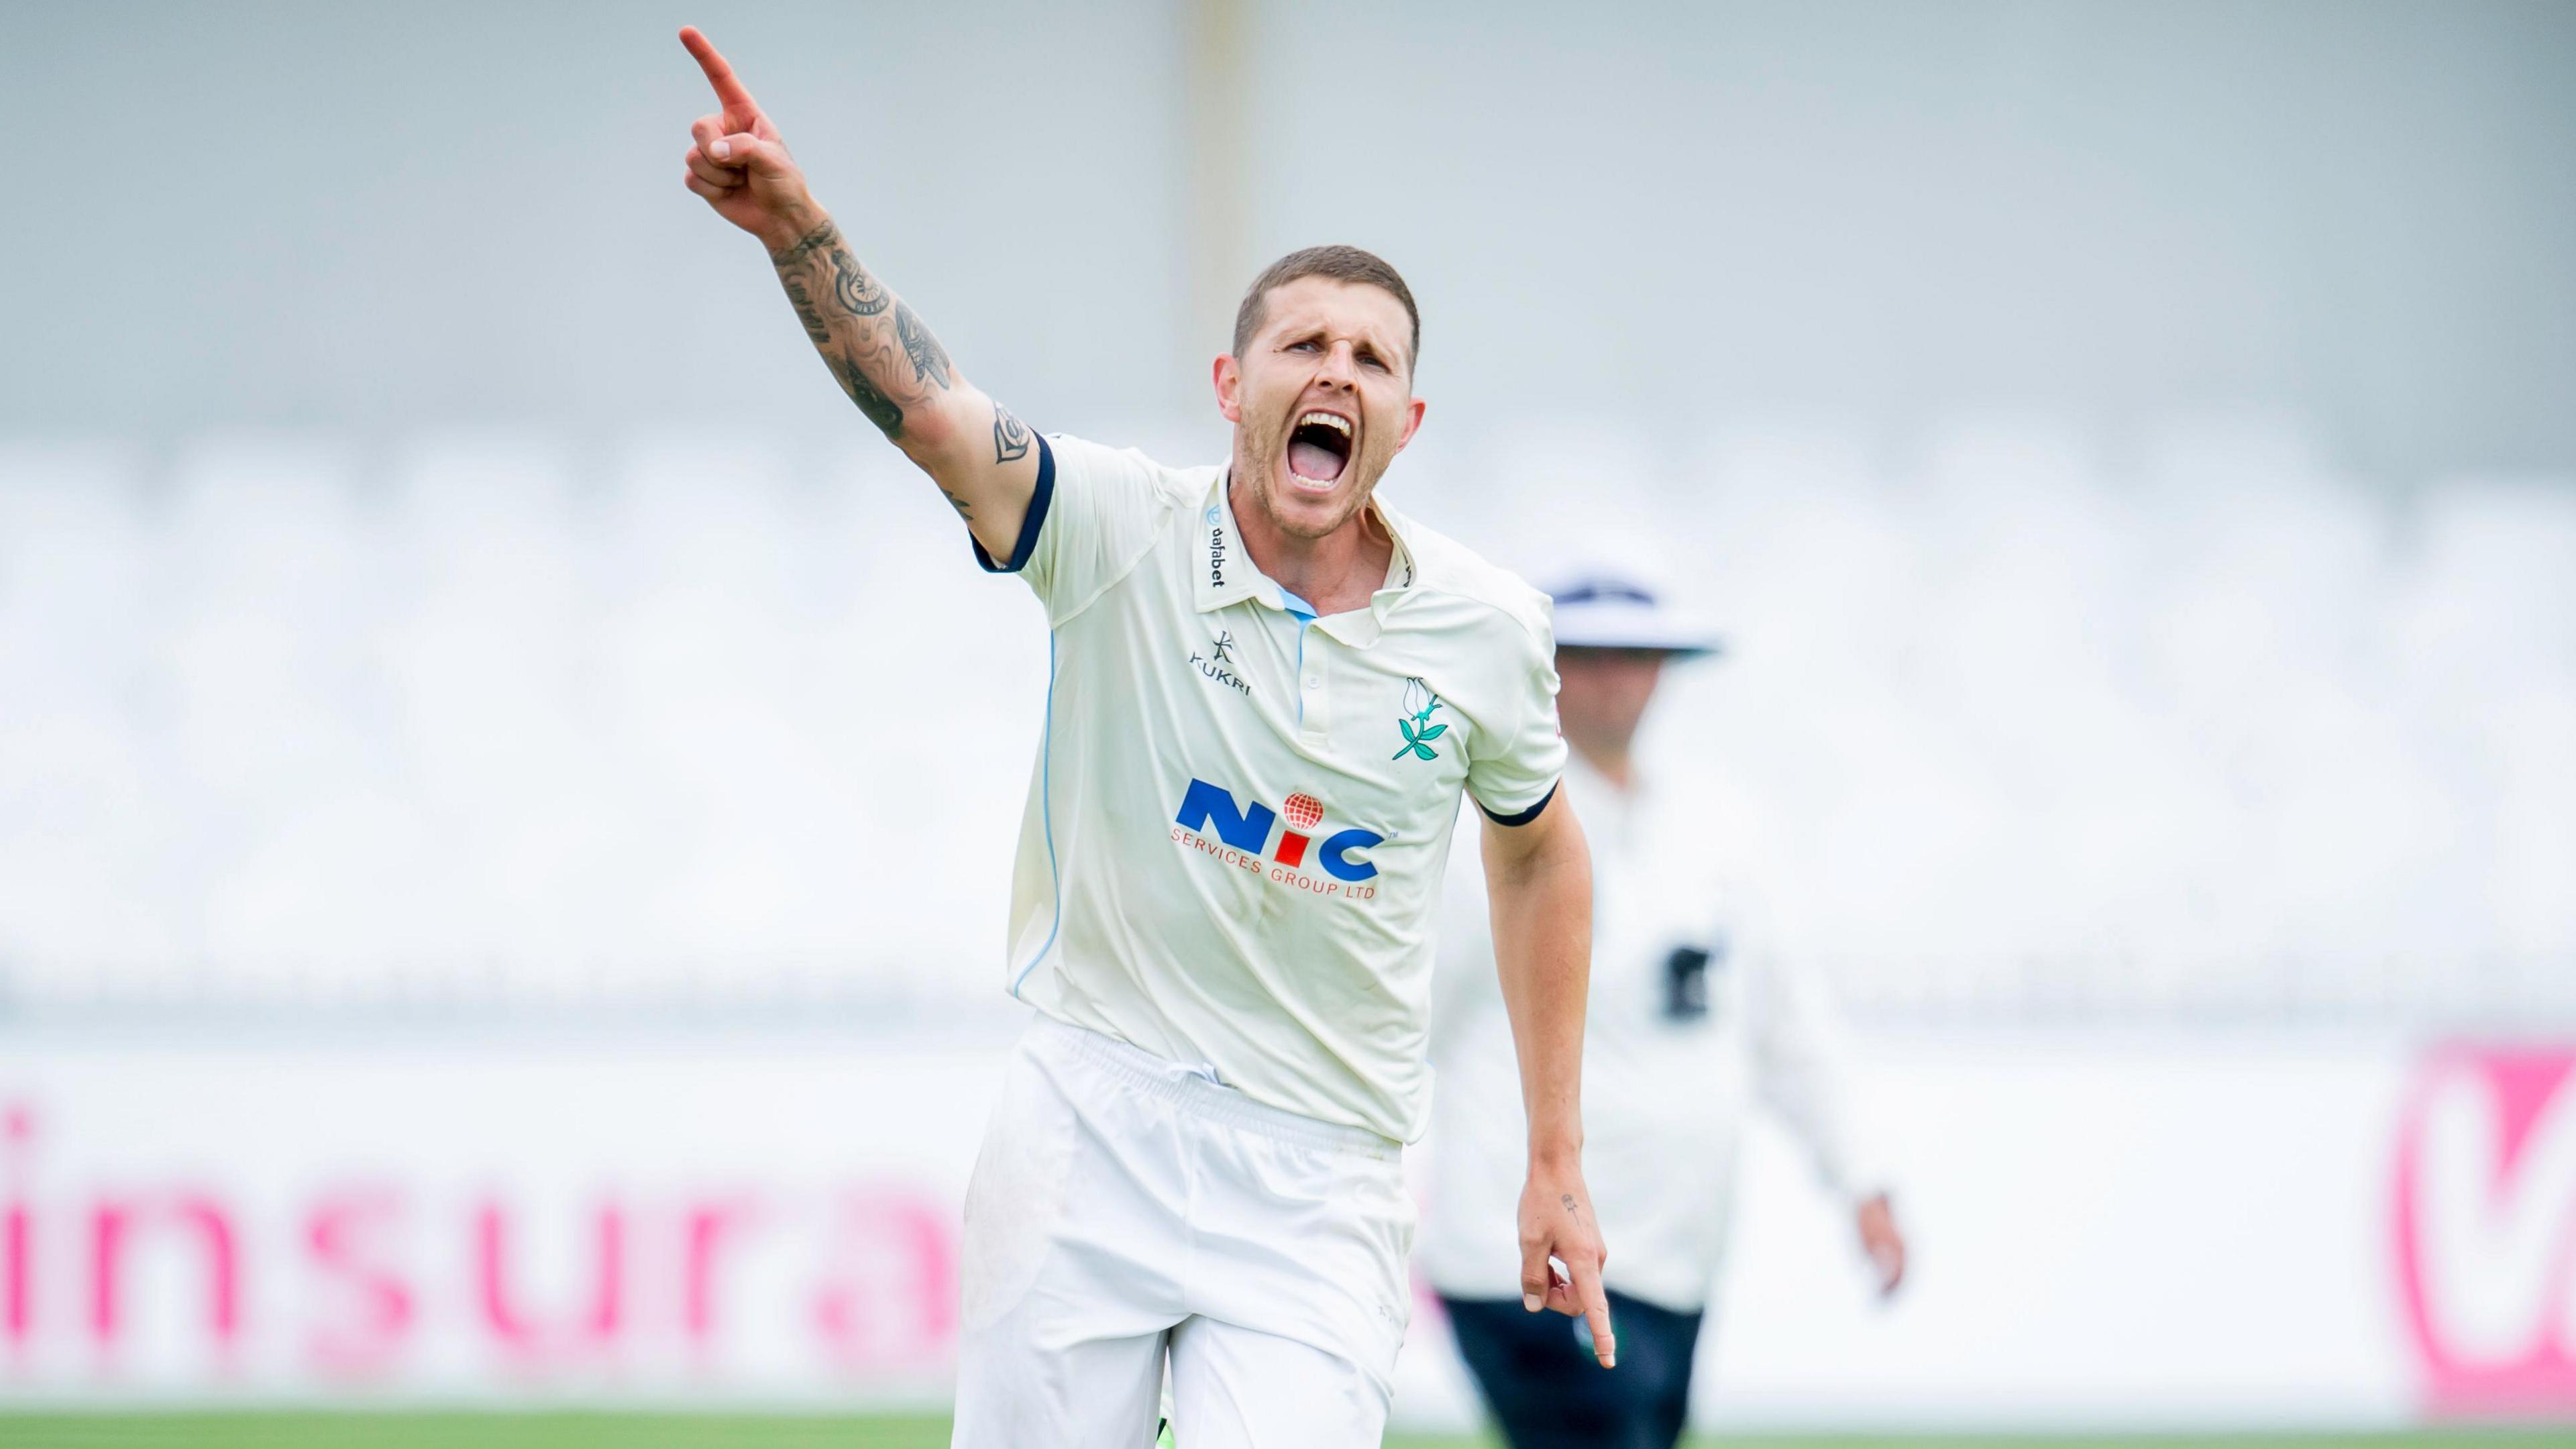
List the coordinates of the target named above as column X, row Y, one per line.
column 1548, row 1392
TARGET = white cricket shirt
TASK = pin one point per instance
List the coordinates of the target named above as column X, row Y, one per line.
column 1240, row 815
column 1692, row 1017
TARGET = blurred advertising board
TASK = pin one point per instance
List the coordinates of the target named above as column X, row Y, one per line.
column 2109, row 1228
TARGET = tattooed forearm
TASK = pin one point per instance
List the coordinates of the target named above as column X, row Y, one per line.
column 826, row 235
column 803, row 301
column 929, row 359
column 839, row 303
column 863, row 294
column 884, row 356
column 1010, row 436
column 859, row 293
column 881, row 410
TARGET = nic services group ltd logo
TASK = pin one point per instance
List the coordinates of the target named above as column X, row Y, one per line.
column 1242, row 836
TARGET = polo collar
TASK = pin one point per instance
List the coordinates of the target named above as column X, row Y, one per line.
column 1226, row 574
column 1225, row 570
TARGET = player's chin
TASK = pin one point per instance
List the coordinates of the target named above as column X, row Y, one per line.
column 1311, row 508
column 1312, row 517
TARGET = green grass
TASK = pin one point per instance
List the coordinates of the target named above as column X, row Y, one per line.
column 726, row 1431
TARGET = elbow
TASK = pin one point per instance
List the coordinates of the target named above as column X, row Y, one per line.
column 930, row 435
column 949, row 434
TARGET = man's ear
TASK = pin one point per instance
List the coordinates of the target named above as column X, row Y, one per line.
column 1229, row 388
column 1413, row 410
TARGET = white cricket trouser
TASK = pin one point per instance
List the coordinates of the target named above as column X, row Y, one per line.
column 1125, row 1207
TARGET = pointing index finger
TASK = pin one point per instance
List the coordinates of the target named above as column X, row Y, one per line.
column 737, row 102
column 1596, row 1314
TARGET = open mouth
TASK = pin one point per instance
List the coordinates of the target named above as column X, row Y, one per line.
column 1319, row 447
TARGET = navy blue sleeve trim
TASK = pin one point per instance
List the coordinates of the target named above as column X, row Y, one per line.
column 1027, row 543
column 1522, row 817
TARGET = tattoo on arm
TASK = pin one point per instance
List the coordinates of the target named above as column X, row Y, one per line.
column 929, row 359
column 863, row 294
column 959, row 504
column 826, row 235
column 841, row 307
column 1010, row 436
column 815, row 331
column 881, row 410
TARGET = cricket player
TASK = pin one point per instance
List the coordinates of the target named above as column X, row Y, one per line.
column 1267, row 691
column 1692, row 1016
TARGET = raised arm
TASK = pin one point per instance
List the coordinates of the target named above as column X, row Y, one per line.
column 981, row 457
column 1539, row 878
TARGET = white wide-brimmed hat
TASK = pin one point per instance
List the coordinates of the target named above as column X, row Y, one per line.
column 1602, row 608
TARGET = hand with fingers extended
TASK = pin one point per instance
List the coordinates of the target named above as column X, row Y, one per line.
column 737, row 161
column 1557, row 1227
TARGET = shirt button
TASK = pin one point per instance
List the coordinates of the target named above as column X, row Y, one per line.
column 1314, row 681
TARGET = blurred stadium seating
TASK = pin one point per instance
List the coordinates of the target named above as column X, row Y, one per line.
column 2019, row 726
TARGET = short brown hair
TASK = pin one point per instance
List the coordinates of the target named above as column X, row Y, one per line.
column 1342, row 264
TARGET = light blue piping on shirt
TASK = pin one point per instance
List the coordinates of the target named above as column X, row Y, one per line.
column 1046, row 813
column 1304, row 614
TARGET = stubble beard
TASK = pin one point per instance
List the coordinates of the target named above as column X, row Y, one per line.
column 1259, row 456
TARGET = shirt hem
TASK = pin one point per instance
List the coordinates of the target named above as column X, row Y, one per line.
column 1182, row 1086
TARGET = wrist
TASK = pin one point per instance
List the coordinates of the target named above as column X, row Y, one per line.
column 1555, row 1159
column 794, row 222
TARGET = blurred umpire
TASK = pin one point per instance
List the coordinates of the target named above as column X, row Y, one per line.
column 1691, row 1017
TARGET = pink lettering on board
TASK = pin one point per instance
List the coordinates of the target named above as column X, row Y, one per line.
column 112, row 1225
column 17, row 1226
column 344, row 1235
column 517, row 1330
column 708, row 1225
column 2485, row 1228
column 889, row 1296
